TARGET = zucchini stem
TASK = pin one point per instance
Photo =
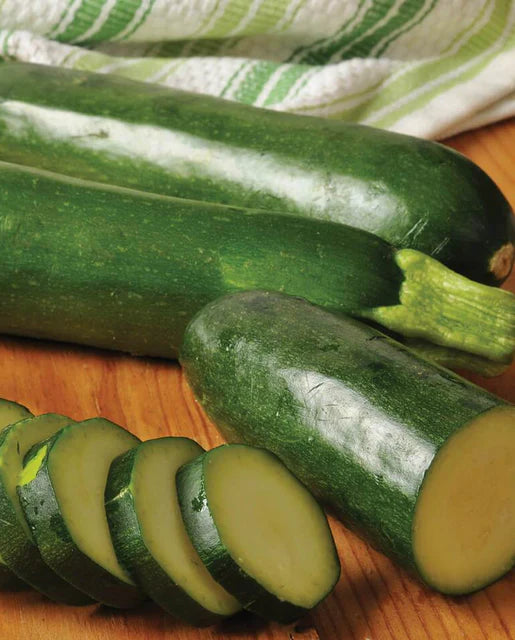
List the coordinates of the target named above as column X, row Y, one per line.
column 446, row 308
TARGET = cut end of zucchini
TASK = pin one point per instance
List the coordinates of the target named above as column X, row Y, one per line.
column 274, row 529
column 11, row 412
column 464, row 526
column 502, row 261
column 79, row 464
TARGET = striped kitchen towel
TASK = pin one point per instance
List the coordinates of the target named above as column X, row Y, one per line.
column 425, row 67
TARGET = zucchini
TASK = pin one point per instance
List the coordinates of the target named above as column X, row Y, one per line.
column 121, row 269
column 149, row 535
column 258, row 530
column 10, row 412
column 61, row 490
column 17, row 545
column 411, row 192
column 416, row 459
column 455, row 359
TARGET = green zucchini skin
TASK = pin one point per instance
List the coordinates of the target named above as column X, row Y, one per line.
column 57, row 547
column 356, row 416
column 413, row 193
column 134, row 555
column 22, row 556
column 214, row 554
column 121, row 269
column 95, row 265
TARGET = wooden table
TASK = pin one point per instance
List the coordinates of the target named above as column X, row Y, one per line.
column 374, row 599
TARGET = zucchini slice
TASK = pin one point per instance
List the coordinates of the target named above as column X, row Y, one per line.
column 149, row 535
column 258, row 530
column 61, row 489
column 10, row 412
column 413, row 457
column 17, row 547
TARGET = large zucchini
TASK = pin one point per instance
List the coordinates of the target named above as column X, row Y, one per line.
column 411, row 192
column 415, row 458
column 122, row 269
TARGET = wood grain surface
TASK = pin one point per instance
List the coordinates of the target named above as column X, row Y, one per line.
column 374, row 599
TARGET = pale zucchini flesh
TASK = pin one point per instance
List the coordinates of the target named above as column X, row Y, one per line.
column 150, row 537
column 70, row 472
column 11, row 412
column 464, row 525
column 78, row 466
column 155, row 501
column 16, row 541
column 270, row 529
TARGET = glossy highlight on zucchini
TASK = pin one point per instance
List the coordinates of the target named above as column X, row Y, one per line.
column 416, row 459
column 413, row 193
column 121, row 269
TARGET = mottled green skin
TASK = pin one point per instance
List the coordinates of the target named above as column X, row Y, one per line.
column 352, row 413
column 124, row 270
column 203, row 532
column 134, row 555
column 56, row 544
column 21, row 554
column 426, row 196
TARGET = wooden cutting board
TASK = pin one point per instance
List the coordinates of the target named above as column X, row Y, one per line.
column 374, row 600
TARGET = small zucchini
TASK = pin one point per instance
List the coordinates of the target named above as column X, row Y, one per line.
column 149, row 535
column 17, row 545
column 61, row 489
column 416, row 459
column 258, row 530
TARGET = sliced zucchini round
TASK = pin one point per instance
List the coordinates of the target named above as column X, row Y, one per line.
column 61, row 489
column 10, row 412
column 17, row 547
column 258, row 530
column 149, row 534
column 464, row 523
